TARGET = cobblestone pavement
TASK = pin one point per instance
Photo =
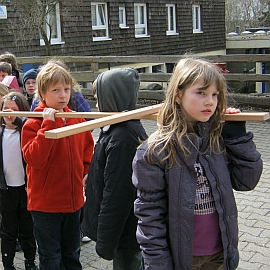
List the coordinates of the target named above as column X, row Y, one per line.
column 254, row 214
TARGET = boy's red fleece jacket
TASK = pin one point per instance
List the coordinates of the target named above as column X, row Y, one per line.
column 55, row 167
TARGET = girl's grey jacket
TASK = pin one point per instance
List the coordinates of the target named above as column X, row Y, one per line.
column 166, row 198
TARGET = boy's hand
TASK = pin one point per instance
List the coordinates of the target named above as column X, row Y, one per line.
column 48, row 113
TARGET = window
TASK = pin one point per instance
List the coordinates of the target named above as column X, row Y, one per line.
column 122, row 17
column 140, row 19
column 171, row 19
column 99, row 21
column 196, row 19
column 53, row 21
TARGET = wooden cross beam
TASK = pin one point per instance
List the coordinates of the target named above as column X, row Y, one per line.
column 244, row 116
column 93, row 115
column 104, row 121
column 136, row 114
column 108, row 118
column 247, row 116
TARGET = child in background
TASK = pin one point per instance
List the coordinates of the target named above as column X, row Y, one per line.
column 16, row 220
column 55, row 170
column 29, row 83
column 186, row 171
column 5, row 70
column 7, row 79
column 11, row 59
column 4, row 90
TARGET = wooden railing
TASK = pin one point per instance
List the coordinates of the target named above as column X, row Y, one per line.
column 95, row 61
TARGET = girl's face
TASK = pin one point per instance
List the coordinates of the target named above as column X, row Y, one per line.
column 30, row 86
column 199, row 104
column 57, row 96
column 9, row 106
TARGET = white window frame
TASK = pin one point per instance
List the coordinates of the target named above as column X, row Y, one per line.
column 141, row 20
column 99, row 25
column 171, row 19
column 196, row 19
column 58, row 39
column 122, row 18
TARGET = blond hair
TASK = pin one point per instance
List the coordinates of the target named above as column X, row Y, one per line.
column 172, row 122
column 53, row 72
column 3, row 89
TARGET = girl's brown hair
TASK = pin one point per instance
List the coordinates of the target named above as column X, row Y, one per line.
column 171, row 120
column 19, row 99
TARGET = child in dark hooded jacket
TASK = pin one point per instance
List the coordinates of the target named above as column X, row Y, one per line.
column 109, row 219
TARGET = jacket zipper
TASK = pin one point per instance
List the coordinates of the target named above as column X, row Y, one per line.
column 71, row 168
column 221, row 199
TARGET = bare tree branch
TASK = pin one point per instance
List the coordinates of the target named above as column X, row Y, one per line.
column 245, row 14
column 33, row 18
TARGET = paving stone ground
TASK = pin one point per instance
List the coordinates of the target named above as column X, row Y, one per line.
column 254, row 214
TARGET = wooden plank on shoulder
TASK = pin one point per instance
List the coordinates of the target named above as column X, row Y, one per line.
column 247, row 116
column 135, row 114
column 244, row 116
column 108, row 120
column 59, row 115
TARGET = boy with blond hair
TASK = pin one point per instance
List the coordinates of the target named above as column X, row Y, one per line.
column 55, row 171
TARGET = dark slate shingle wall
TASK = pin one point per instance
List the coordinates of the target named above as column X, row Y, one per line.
column 77, row 30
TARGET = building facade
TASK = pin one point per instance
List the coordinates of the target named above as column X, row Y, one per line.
column 120, row 28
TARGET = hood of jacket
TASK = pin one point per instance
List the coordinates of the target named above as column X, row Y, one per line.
column 117, row 90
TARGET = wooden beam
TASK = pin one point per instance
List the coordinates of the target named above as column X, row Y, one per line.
column 93, row 115
column 117, row 118
column 108, row 120
column 244, row 116
column 244, row 58
column 247, row 116
column 58, row 115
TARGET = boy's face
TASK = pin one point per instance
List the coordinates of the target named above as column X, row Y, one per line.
column 57, row 96
column 3, row 75
column 30, row 86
